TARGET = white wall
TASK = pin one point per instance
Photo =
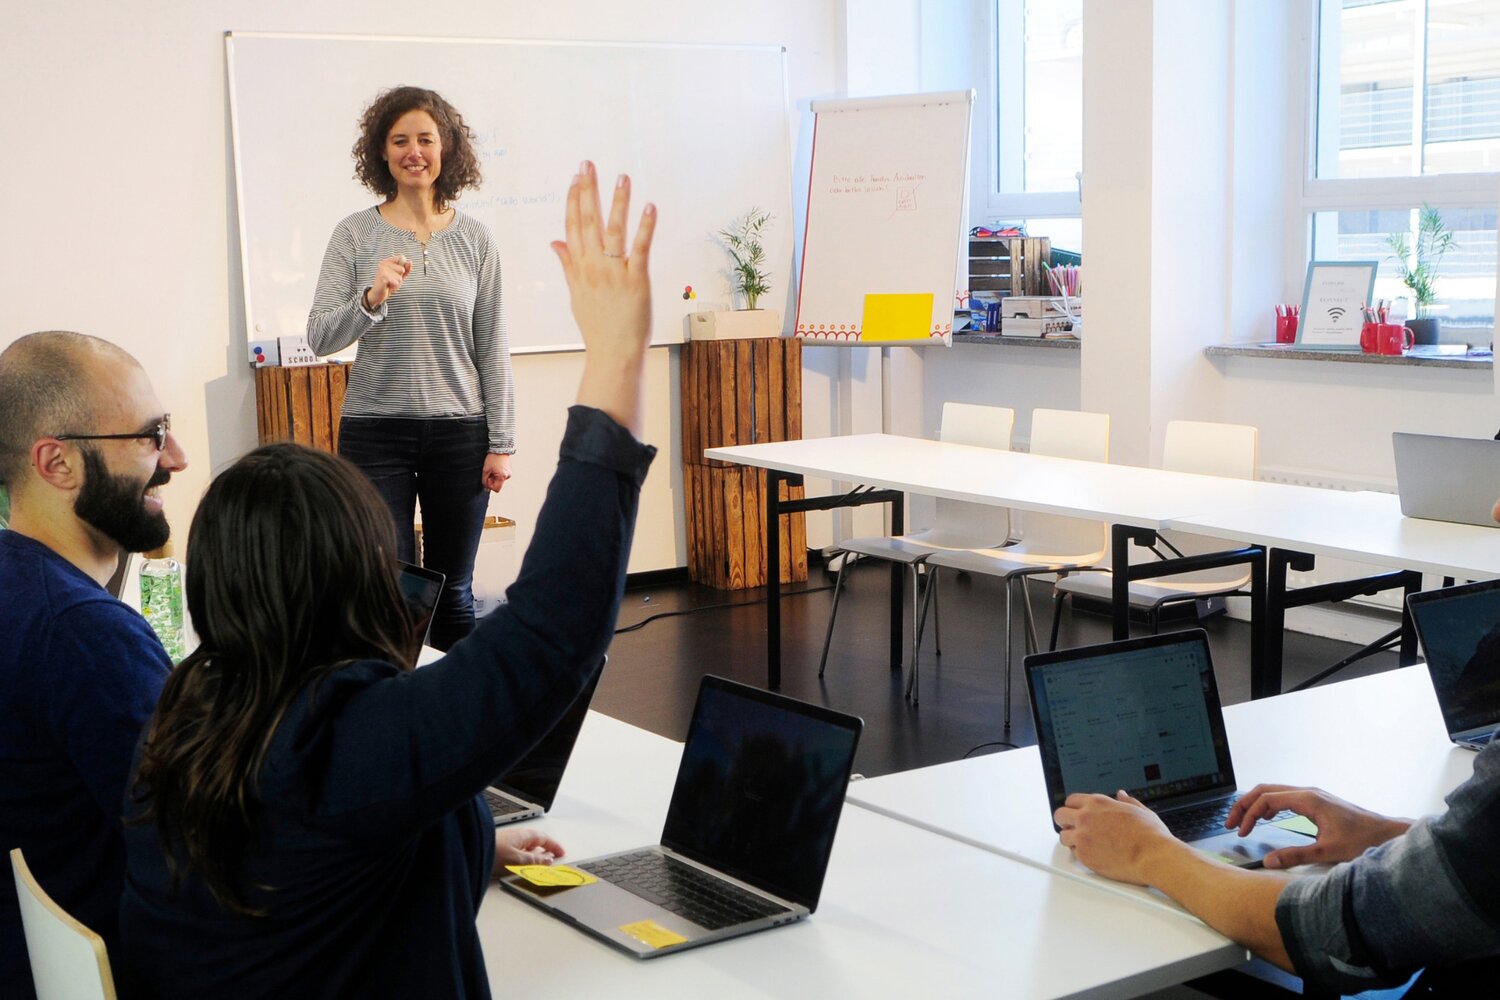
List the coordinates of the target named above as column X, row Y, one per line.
column 124, row 224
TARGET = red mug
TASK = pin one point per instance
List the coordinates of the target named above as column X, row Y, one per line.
column 1367, row 338
column 1392, row 338
column 1286, row 329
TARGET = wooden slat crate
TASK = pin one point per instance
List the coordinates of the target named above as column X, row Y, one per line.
column 300, row 404
column 1009, row 266
column 738, row 392
column 727, row 528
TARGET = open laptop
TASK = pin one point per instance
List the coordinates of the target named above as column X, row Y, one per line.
column 747, row 837
column 1144, row 715
column 528, row 789
column 421, row 587
column 1460, row 632
column 1447, row 478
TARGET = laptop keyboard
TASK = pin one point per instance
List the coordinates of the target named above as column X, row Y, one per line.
column 684, row 890
column 1207, row 820
column 502, row 806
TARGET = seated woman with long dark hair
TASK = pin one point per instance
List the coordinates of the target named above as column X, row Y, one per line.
column 304, row 818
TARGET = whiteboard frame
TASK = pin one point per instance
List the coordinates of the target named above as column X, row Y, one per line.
column 681, row 337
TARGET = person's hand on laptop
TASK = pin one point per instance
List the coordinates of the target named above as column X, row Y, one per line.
column 1345, row 831
column 524, row 847
column 1116, row 837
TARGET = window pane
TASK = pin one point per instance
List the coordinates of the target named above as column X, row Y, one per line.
column 1465, row 283
column 1054, row 94
column 1065, row 234
column 1463, row 86
column 1365, row 107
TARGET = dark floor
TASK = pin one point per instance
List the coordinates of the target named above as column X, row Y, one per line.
column 653, row 672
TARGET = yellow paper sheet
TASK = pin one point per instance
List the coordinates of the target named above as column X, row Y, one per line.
column 652, row 934
column 897, row 317
column 552, row 876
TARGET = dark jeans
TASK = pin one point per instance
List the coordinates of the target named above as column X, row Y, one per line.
column 439, row 462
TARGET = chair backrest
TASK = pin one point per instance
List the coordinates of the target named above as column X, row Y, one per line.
column 983, row 427
column 1075, row 434
column 68, row 961
column 1211, row 449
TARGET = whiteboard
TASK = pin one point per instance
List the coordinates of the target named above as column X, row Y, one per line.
column 883, row 257
column 702, row 130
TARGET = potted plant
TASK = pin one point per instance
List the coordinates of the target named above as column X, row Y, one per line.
column 744, row 240
column 1417, row 263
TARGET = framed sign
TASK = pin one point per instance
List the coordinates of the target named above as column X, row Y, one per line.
column 1333, row 302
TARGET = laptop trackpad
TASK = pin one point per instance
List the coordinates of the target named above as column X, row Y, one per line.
column 1248, row 852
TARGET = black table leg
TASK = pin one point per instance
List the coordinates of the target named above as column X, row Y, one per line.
column 898, row 580
column 774, row 479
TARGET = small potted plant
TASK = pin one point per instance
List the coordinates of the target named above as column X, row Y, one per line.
column 745, row 242
column 1417, row 263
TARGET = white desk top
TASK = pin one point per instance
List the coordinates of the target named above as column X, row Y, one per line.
column 1364, row 527
column 904, row 913
column 1122, row 494
column 1377, row 741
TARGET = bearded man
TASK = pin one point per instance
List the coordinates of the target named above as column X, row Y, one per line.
column 84, row 446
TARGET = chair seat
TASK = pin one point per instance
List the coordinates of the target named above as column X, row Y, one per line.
column 1148, row 593
column 1011, row 560
column 914, row 547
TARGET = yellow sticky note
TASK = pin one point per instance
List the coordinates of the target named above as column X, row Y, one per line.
column 1298, row 824
column 552, row 876
column 897, row 317
column 652, row 934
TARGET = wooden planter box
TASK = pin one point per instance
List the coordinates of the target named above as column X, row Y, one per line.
column 300, row 404
column 738, row 392
column 1005, row 266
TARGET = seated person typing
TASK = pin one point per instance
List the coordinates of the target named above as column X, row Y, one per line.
column 305, row 817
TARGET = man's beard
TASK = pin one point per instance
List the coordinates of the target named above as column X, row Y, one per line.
column 116, row 506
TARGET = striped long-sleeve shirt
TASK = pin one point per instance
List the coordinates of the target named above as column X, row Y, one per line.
column 437, row 348
column 1429, row 898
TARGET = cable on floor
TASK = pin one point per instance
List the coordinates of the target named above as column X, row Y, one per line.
column 991, row 743
column 713, row 607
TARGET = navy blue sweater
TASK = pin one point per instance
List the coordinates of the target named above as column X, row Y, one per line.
column 367, row 825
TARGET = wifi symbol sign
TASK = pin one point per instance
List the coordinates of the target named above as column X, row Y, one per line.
column 1336, row 313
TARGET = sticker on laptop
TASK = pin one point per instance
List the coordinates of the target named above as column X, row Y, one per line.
column 553, row 876
column 652, row 934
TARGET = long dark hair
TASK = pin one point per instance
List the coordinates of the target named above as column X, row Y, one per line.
column 290, row 573
column 460, row 160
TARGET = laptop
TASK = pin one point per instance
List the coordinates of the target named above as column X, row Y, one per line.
column 528, row 789
column 421, row 587
column 1144, row 715
column 1460, row 632
column 747, row 837
column 1447, row 478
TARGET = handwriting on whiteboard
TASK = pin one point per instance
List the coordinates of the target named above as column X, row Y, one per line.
column 903, row 182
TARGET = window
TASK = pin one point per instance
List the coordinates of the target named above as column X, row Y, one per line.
column 1030, row 149
column 1406, row 111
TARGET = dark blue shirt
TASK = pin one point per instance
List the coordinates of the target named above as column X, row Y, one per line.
column 370, row 852
column 79, row 675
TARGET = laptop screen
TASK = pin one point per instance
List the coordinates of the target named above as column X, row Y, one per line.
column 421, row 588
column 536, row 776
column 761, row 787
column 1460, row 632
column 1142, row 715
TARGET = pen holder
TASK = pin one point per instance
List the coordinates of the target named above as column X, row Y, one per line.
column 1286, row 329
column 1385, row 338
column 991, row 317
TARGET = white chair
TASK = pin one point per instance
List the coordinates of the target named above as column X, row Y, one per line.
column 1191, row 446
column 1050, row 543
column 956, row 524
column 68, row 961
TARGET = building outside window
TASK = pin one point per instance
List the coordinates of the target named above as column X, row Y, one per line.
column 1405, row 110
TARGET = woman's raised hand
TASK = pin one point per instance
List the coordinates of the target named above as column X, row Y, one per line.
column 388, row 278
column 609, row 287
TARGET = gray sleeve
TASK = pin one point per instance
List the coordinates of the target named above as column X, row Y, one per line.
column 492, row 354
column 1429, row 898
column 338, row 317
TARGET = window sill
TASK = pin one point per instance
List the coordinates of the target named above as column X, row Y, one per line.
column 1286, row 352
column 995, row 339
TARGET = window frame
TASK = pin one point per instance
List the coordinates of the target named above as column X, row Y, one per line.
column 1442, row 191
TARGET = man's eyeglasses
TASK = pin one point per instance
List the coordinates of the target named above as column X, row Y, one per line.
column 157, row 434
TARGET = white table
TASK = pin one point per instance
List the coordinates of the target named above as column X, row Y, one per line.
column 1378, row 741
column 1138, row 501
column 904, row 913
column 1363, row 527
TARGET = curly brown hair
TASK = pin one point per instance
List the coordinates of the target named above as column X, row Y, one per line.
column 460, row 160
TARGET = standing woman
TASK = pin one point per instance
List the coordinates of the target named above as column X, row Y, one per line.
column 429, row 413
